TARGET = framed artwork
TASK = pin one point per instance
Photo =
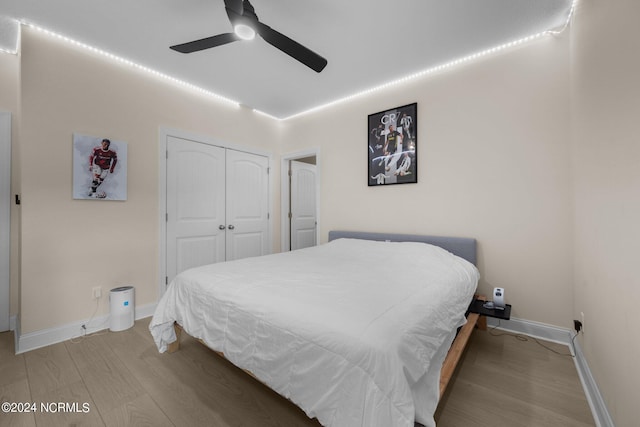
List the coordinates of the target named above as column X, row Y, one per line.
column 393, row 146
column 99, row 168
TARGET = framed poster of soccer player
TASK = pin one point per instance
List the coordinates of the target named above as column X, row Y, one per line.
column 99, row 168
column 393, row 146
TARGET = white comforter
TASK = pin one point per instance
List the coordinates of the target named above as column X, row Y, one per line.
column 353, row 331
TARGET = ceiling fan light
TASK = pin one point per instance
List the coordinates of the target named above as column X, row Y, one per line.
column 244, row 31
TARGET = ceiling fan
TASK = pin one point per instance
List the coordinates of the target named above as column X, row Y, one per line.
column 245, row 24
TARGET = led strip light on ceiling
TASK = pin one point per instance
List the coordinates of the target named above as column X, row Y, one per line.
column 422, row 73
column 442, row 66
column 320, row 107
column 127, row 62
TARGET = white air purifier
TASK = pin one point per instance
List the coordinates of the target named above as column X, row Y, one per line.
column 122, row 301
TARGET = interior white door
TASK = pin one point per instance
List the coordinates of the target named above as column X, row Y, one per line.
column 195, row 205
column 247, row 205
column 5, row 219
column 303, row 205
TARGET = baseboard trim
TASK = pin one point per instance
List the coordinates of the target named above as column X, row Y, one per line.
column 533, row 329
column 562, row 336
column 45, row 337
column 596, row 401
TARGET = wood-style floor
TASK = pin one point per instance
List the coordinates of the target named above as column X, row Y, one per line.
column 125, row 382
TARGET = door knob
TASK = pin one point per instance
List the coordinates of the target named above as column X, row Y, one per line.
column 231, row 227
column 221, row 227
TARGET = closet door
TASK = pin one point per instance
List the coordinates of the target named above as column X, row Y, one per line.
column 247, row 205
column 303, row 205
column 195, row 205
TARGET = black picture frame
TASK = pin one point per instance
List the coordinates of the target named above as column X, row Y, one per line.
column 393, row 146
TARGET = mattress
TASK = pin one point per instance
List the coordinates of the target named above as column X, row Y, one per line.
column 353, row 331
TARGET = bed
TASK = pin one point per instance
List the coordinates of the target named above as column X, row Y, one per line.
column 355, row 331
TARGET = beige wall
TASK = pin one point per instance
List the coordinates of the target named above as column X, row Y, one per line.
column 606, row 153
column 70, row 246
column 493, row 148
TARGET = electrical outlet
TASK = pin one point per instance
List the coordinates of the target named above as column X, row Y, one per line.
column 96, row 292
column 577, row 325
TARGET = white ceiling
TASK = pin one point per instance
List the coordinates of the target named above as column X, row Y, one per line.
column 366, row 42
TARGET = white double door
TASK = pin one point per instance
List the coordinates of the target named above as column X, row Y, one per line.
column 217, row 205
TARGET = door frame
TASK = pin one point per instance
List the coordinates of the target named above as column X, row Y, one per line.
column 5, row 227
column 285, row 191
column 163, row 134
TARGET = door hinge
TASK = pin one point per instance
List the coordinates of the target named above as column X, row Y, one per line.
column 290, row 215
column 166, row 280
column 166, row 217
column 290, row 172
column 268, row 170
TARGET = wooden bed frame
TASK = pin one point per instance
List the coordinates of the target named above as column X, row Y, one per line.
column 463, row 247
column 459, row 344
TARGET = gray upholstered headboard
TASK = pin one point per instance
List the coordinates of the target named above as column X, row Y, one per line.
column 464, row 247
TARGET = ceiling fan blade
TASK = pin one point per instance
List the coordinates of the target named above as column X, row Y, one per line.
column 292, row 48
column 234, row 5
column 205, row 43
